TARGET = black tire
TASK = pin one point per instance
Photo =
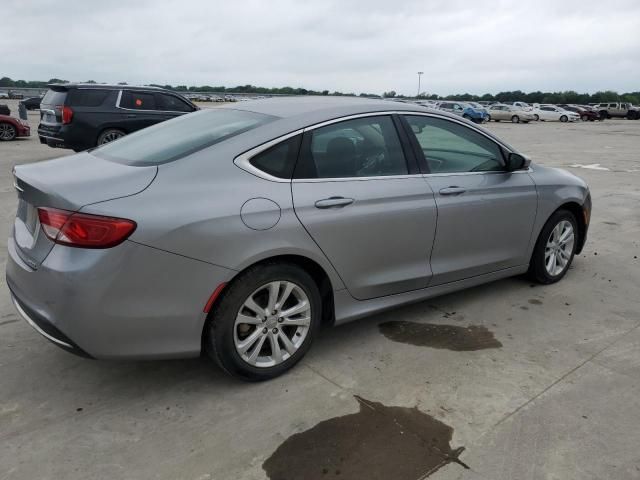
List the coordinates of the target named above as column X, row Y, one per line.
column 497, row 120
column 488, row 118
column 537, row 270
column 536, row 117
column 219, row 330
column 8, row 132
column 584, row 118
column 466, row 116
column 109, row 135
column 564, row 119
column 515, row 119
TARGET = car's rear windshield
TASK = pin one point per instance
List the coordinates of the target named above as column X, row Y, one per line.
column 181, row 136
column 54, row 97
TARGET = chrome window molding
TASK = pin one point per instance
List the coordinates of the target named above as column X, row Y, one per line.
column 243, row 160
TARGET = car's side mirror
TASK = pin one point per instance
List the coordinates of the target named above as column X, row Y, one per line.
column 515, row 161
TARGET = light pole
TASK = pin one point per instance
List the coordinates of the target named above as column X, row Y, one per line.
column 419, row 75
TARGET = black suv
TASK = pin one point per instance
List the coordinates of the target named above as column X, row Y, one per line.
column 81, row 116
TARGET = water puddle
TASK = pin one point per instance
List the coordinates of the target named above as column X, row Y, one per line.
column 377, row 443
column 449, row 337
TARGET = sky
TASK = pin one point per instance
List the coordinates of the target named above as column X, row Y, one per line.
column 346, row 45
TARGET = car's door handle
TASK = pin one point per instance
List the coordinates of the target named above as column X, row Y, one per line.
column 334, row 202
column 132, row 115
column 452, row 191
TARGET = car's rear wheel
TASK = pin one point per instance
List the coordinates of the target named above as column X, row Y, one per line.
column 488, row 118
column 584, row 118
column 515, row 119
column 109, row 135
column 564, row 118
column 264, row 322
column 555, row 248
column 7, row 132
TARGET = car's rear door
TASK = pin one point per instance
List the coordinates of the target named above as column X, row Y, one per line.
column 485, row 214
column 358, row 193
column 138, row 110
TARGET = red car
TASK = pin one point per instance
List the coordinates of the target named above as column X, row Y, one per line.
column 11, row 127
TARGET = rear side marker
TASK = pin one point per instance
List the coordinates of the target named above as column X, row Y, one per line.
column 212, row 299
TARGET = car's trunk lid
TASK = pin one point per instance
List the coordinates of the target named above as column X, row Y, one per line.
column 68, row 183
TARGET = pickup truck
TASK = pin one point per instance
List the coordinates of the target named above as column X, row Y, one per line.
column 618, row 110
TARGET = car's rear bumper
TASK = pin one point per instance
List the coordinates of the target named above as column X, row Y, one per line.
column 130, row 301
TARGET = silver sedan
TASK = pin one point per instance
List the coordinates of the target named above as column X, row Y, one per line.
column 241, row 230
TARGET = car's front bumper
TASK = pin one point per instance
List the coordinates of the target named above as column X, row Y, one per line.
column 130, row 301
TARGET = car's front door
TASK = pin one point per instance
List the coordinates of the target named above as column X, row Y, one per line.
column 369, row 210
column 485, row 214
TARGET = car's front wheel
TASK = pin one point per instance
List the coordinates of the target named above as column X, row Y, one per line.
column 488, row 118
column 564, row 118
column 555, row 248
column 264, row 322
column 515, row 119
column 536, row 117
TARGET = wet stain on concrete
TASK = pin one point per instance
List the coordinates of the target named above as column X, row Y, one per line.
column 377, row 443
column 535, row 301
column 449, row 337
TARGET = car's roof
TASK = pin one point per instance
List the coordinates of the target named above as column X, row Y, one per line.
column 317, row 106
column 294, row 113
column 102, row 86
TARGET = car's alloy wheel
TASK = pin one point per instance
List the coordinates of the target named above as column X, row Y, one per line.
column 555, row 248
column 264, row 321
column 488, row 118
column 515, row 119
column 584, row 118
column 109, row 136
column 564, row 118
column 536, row 117
column 272, row 324
column 7, row 132
column 559, row 248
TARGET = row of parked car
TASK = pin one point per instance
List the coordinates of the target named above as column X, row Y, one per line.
column 522, row 112
column 219, row 98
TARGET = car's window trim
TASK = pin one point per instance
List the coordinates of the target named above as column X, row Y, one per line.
column 242, row 160
column 152, row 92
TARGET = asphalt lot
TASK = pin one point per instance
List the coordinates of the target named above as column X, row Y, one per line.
column 534, row 382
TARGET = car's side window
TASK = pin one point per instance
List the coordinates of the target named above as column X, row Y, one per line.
column 449, row 147
column 279, row 160
column 137, row 100
column 88, row 97
column 362, row 147
column 171, row 103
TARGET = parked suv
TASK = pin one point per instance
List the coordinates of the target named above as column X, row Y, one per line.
column 618, row 110
column 80, row 116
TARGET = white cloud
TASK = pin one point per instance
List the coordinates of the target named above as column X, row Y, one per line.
column 360, row 46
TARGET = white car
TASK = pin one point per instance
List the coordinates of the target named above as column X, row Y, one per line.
column 4, row 95
column 551, row 113
column 522, row 106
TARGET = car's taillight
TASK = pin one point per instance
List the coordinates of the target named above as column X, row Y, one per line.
column 84, row 230
column 67, row 114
